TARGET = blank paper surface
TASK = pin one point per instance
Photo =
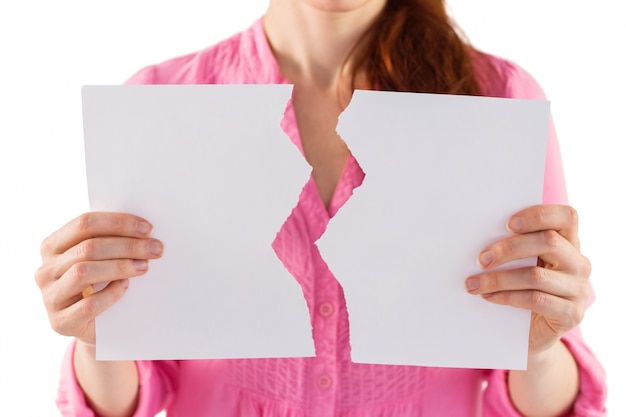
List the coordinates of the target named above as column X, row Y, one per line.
column 211, row 169
column 442, row 175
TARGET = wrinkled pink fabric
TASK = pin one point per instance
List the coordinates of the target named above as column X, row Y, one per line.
column 328, row 384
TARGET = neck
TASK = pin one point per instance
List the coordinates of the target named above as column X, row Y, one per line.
column 312, row 43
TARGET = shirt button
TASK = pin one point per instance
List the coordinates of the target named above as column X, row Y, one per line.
column 324, row 381
column 326, row 309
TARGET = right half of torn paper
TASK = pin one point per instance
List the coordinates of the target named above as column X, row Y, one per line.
column 442, row 176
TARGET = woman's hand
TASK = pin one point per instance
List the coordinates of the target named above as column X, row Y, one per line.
column 94, row 248
column 556, row 290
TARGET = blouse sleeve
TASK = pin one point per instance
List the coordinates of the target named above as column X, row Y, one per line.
column 157, row 385
column 145, row 75
column 592, row 396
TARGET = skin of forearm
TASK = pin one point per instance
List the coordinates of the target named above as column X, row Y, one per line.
column 111, row 387
column 549, row 386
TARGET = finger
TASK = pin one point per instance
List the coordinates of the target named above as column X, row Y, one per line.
column 94, row 224
column 537, row 278
column 108, row 248
column 549, row 245
column 563, row 219
column 45, row 275
column 553, row 308
column 77, row 319
column 70, row 288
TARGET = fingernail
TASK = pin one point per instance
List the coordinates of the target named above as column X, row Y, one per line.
column 143, row 228
column 485, row 258
column 155, row 247
column 473, row 283
column 140, row 264
column 124, row 283
column 515, row 224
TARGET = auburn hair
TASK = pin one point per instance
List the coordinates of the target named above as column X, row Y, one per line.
column 415, row 46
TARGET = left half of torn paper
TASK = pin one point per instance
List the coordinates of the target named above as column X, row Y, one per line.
column 211, row 169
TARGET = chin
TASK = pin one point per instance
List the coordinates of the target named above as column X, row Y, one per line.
column 342, row 5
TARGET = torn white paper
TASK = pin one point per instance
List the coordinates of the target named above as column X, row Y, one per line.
column 210, row 167
column 443, row 174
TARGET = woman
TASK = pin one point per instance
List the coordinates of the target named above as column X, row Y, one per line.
column 326, row 48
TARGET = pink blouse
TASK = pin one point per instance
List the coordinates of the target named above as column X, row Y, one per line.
column 329, row 384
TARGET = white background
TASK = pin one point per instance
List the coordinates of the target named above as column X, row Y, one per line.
column 48, row 49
